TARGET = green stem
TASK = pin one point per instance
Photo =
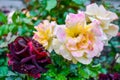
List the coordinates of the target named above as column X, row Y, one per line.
column 28, row 78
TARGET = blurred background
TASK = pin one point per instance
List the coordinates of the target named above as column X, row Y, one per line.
column 18, row 18
column 9, row 5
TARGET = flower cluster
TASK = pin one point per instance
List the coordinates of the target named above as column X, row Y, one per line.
column 80, row 39
column 83, row 35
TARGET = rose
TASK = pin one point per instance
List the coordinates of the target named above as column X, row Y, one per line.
column 78, row 41
column 44, row 34
column 108, row 76
column 28, row 57
column 105, row 17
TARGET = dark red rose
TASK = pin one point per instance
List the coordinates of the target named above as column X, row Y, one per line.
column 114, row 76
column 28, row 57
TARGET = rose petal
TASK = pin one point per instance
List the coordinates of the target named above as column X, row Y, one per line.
column 112, row 15
column 77, row 53
column 113, row 30
column 92, row 9
column 84, row 60
column 60, row 33
column 73, row 19
column 65, row 53
column 71, row 44
column 97, row 48
column 56, row 45
column 102, row 11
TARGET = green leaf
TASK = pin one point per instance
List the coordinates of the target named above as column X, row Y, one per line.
column 26, row 20
column 18, row 78
column 37, row 22
column 73, row 67
column 33, row 13
column 3, row 78
column 1, row 61
column 3, row 18
column 51, row 4
column 3, row 50
column 103, row 70
column 14, row 17
column 60, row 77
column 11, row 27
column 96, row 67
column 83, row 73
column 9, row 78
column 79, row 1
column 51, row 73
column 117, row 67
column 10, row 73
column 4, row 29
column 91, row 73
column 48, row 78
column 3, row 71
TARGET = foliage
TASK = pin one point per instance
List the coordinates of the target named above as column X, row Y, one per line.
column 54, row 9
column 63, row 70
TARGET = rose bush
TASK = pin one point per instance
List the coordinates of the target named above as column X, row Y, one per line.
column 66, row 41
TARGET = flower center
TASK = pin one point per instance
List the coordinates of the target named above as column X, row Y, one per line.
column 82, row 37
